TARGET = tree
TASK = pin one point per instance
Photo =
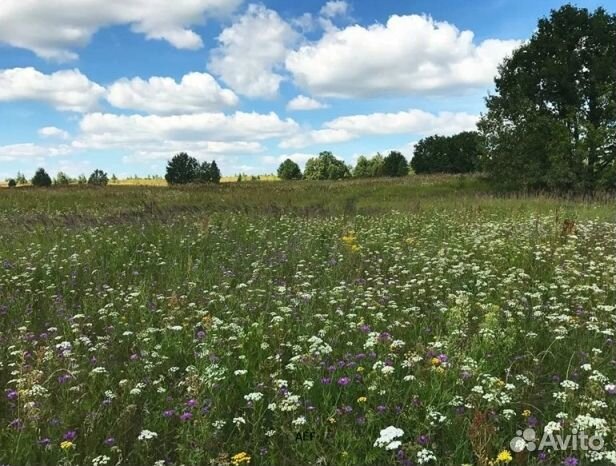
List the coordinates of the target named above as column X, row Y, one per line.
column 289, row 170
column 182, row 169
column 98, row 178
column 442, row 154
column 369, row 168
column 81, row 179
column 20, row 178
column 41, row 179
column 12, row 183
column 395, row 165
column 62, row 179
column 214, row 173
column 204, row 173
column 326, row 167
column 552, row 121
column 114, row 178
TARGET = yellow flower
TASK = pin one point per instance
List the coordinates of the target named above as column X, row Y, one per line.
column 526, row 413
column 67, row 445
column 331, row 420
column 362, row 399
column 504, row 457
column 435, row 361
column 360, row 368
column 239, row 458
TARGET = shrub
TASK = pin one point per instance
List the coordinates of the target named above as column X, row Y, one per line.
column 12, row 183
column 62, row 179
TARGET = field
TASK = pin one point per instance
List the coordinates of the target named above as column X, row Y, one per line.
column 404, row 322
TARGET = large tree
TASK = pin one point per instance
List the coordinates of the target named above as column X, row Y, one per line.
column 552, row 120
column 289, row 170
column 395, row 165
column 326, row 167
column 447, row 154
column 41, row 179
column 182, row 169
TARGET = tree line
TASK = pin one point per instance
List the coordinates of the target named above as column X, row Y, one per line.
column 41, row 179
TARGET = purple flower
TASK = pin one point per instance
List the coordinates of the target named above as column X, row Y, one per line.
column 44, row 442
column 532, row 421
column 70, row 435
column 191, row 403
column 186, row 416
column 344, row 381
column 11, row 394
column 109, row 441
column 423, row 440
column 168, row 412
column 570, row 461
column 326, row 380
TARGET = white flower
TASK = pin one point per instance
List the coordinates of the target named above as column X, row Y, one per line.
column 300, row 421
column 239, row 420
column 147, row 435
column 255, row 396
column 387, row 438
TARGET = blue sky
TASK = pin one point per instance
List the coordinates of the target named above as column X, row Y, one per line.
column 86, row 85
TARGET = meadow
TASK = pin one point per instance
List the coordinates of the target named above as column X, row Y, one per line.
column 425, row 320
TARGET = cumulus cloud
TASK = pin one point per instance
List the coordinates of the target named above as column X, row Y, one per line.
column 408, row 55
column 251, row 51
column 66, row 90
column 301, row 102
column 195, row 93
column 53, row 132
column 52, row 29
column 100, row 130
column 417, row 122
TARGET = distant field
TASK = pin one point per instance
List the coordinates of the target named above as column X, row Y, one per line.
column 292, row 322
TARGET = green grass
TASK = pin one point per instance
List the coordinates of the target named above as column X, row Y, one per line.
column 430, row 304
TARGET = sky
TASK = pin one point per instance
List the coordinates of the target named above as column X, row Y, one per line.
column 123, row 85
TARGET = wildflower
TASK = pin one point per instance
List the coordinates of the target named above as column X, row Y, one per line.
column 240, row 458
column 67, row 445
column 147, row 435
column 362, row 399
column 504, row 457
column 388, row 438
column 526, row 413
column 570, row 461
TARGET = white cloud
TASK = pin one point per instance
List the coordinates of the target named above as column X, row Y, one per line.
column 52, row 29
column 100, row 130
column 195, row 93
column 298, row 157
column 319, row 136
column 410, row 54
column 413, row 121
column 301, row 102
column 202, row 150
column 53, row 132
column 335, row 8
column 66, row 90
column 14, row 152
column 251, row 50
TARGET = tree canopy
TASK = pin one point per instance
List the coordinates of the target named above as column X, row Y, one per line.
column 552, row 121
column 41, row 179
column 326, row 167
column 289, row 170
column 447, row 154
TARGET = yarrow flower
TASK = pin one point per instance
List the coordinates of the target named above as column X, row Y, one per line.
column 388, row 438
column 147, row 435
